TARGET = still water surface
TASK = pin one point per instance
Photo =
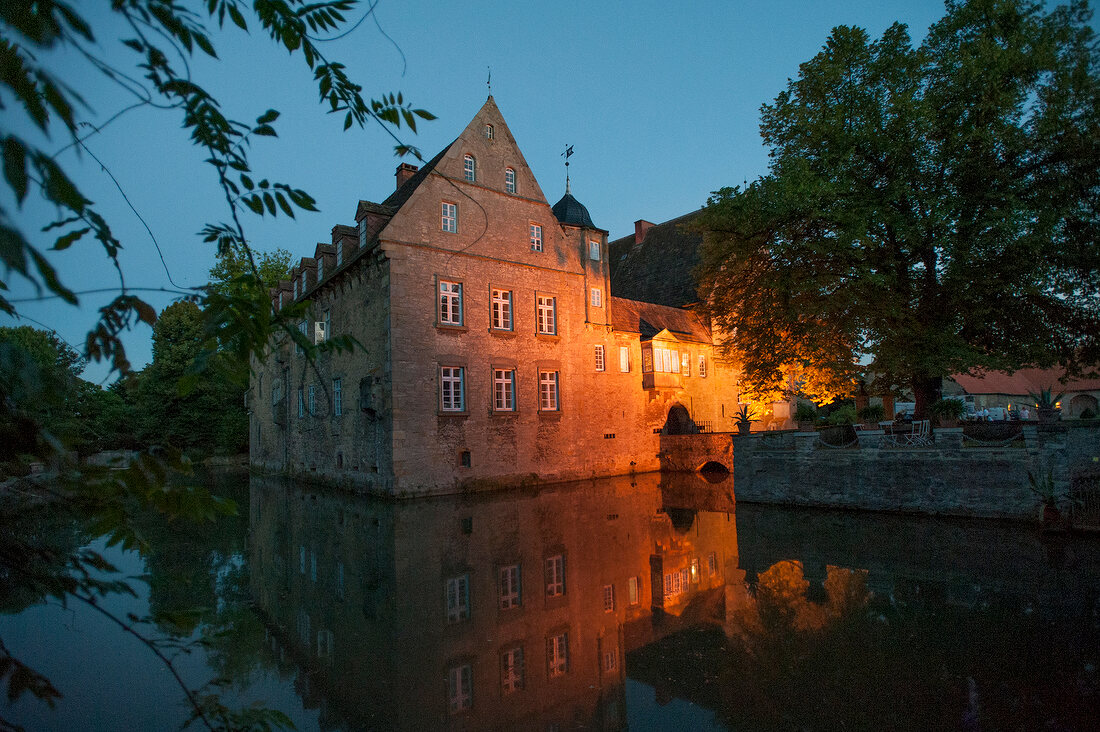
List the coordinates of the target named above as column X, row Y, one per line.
column 640, row 603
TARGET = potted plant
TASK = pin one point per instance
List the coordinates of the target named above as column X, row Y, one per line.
column 1050, row 516
column 1046, row 404
column 872, row 414
column 745, row 418
column 805, row 415
column 947, row 412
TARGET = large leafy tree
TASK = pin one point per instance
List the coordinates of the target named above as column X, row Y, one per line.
column 929, row 210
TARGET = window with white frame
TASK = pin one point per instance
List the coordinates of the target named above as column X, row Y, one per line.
column 624, row 359
column 450, row 217
column 460, row 688
column 511, row 669
column 594, row 250
column 337, row 397
column 666, row 360
column 536, row 237
column 548, row 391
column 301, row 403
column 597, row 297
column 450, row 303
column 633, row 590
column 547, row 315
column 312, row 400
column 509, row 180
column 362, row 232
column 674, row 584
column 469, row 168
column 685, row 363
column 702, row 365
column 458, row 598
column 557, row 654
column 599, row 357
column 452, row 389
column 504, row 390
column 502, row 309
column 608, row 598
column 610, row 659
column 555, row 575
column 509, row 587
column 488, row 132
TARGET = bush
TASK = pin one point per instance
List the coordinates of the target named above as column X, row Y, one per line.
column 843, row 415
column 872, row 413
column 805, row 412
column 948, row 409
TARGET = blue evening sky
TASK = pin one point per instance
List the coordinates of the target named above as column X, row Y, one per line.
column 660, row 101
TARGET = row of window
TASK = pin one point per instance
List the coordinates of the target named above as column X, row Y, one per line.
column 452, row 390
column 307, row 398
column 469, row 172
column 449, row 224
column 451, row 308
column 678, row 582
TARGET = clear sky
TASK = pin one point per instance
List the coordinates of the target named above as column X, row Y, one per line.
column 660, row 101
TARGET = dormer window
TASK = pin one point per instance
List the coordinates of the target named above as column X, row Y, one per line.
column 469, row 168
column 339, row 253
column 295, row 288
column 303, row 283
column 362, row 232
column 320, row 268
column 509, row 180
column 488, row 132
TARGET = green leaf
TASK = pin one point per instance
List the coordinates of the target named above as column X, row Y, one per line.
column 267, row 117
column 15, row 167
column 237, row 18
column 66, row 241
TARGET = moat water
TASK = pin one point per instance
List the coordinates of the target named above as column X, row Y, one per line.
column 635, row 603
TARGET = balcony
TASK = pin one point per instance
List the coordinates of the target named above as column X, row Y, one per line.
column 661, row 380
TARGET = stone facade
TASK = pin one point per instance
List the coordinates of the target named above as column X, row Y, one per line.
column 445, row 392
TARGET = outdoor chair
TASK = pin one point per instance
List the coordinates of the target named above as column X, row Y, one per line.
column 921, row 436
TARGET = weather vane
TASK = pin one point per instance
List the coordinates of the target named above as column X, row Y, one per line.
column 568, row 152
column 489, row 81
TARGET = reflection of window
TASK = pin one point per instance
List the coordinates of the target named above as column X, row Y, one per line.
column 555, row 575
column 460, row 692
column 504, row 390
column 632, row 586
column 509, row 587
column 712, row 565
column 511, row 669
column 509, row 180
column 610, row 659
column 452, row 390
column 325, row 643
column 301, row 560
column 502, row 309
column 450, row 303
column 557, row 654
column 694, row 570
column 340, row 580
column 548, row 391
column 608, row 598
column 312, row 400
column 301, row 404
column 458, row 598
column 674, row 583
column 599, row 357
column 337, row 397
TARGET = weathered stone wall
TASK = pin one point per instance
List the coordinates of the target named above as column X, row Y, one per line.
column 688, row 453
column 946, row 478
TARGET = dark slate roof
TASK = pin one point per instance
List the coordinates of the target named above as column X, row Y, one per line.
column 402, row 194
column 659, row 269
column 570, row 211
column 631, row 316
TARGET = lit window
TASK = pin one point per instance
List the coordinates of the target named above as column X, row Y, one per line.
column 488, row 132
column 548, row 391
column 337, row 397
column 301, row 403
column 509, row 587
column 632, row 587
column 597, row 297
column 555, row 575
column 450, row 303
column 452, row 389
column 509, row 180
column 695, row 570
column 362, row 232
column 665, row 360
column 712, row 564
column 458, row 598
column 599, row 357
column 702, row 365
column 624, row 359
column 504, row 390
column 674, row 584
column 312, row 400
column 685, row 363
column 511, row 669
column 547, row 315
column 594, row 250
column 608, row 598
column 469, row 168
column 460, row 692
column 450, row 217
column 536, row 238
column 502, row 310
column 557, row 655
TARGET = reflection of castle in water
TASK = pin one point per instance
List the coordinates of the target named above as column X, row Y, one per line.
column 485, row 611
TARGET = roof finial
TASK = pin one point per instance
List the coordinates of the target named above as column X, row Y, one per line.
column 489, row 81
column 568, row 152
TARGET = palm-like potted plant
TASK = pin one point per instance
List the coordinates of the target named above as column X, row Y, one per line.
column 1046, row 403
column 745, row 417
column 1050, row 516
column 805, row 415
column 947, row 412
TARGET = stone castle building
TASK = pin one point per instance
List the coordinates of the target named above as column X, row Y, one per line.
column 492, row 349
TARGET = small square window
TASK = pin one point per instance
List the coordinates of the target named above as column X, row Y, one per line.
column 536, row 237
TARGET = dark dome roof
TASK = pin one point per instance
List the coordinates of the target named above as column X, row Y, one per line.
column 570, row 211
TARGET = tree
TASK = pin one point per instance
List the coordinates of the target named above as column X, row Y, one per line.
column 233, row 266
column 928, row 210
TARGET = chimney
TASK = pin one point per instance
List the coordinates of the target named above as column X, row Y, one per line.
column 641, row 228
column 404, row 172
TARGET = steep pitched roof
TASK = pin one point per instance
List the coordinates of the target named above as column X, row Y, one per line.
column 1023, row 382
column 659, row 268
column 648, row 319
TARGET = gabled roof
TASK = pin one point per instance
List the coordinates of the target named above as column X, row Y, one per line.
column 648, row 320
column 1023, row 382
column 659, row 268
